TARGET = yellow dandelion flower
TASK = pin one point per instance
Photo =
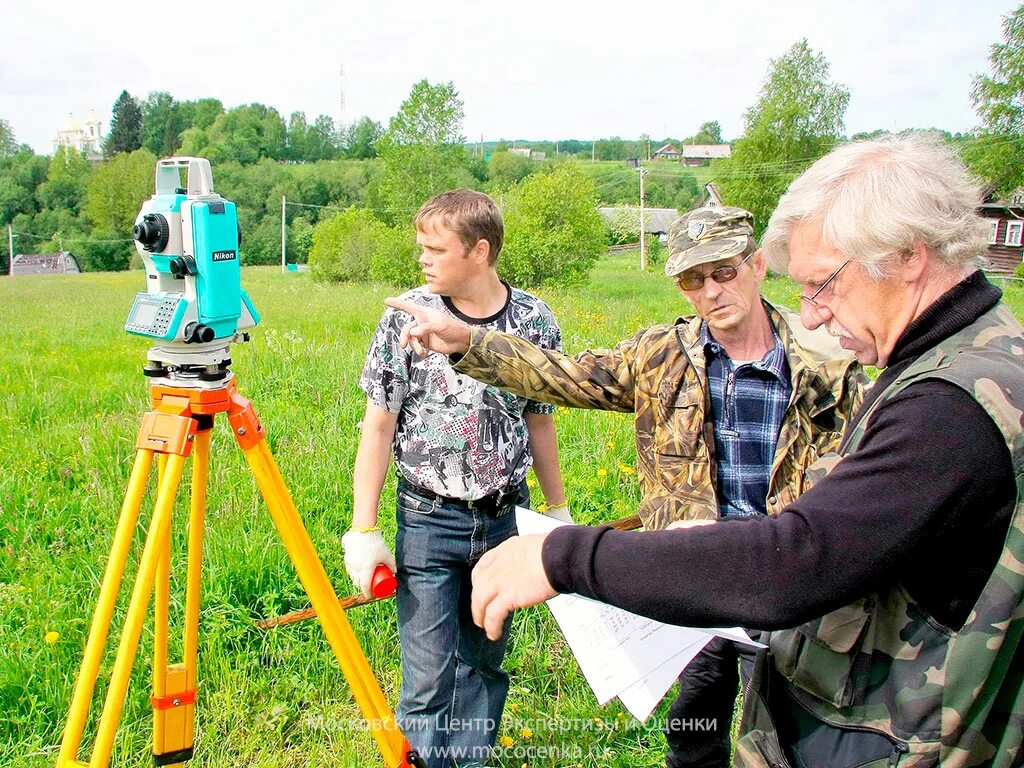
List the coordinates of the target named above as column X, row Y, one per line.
column 526, row 733
column 610, row 443
column 52, row 637
column 506, row 741
column 626, row 469
column 513, row 707
column 602, row 472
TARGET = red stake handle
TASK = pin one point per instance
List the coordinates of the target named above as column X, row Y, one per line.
column 383, row 583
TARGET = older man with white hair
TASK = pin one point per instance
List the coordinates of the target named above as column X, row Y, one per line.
column 893, row 590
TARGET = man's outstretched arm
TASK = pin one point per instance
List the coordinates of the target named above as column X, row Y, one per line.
column 600, row 380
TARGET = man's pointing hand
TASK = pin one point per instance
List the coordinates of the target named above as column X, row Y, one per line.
column 431, row 330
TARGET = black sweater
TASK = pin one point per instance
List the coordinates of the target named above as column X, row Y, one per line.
column 926, row 501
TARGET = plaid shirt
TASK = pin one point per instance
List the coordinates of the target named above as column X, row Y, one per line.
column 748, row 403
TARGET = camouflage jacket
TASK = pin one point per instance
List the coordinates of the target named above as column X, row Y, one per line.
column 660, row 375
column 918, row 693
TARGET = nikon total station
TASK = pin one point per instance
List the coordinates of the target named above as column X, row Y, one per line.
column 194, row 305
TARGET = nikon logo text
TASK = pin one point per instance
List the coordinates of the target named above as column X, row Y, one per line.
column 224, row 255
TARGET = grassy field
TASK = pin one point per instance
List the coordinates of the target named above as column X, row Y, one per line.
column 72, row 396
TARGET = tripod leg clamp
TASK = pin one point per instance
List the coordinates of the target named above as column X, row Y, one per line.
column 173, row 718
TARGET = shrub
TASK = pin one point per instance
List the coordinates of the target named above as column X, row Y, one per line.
column 262, row 244
column 395, row 261
column 96, row 255
column 655, row 250
column 354, row 246
column 553, row 232
column 1019, row 271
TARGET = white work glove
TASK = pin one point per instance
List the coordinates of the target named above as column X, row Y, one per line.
column 364, row 551
column 560, row 513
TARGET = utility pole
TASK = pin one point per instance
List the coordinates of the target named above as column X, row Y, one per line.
column 284, row 237
column 10, row 246
column 341, row 98
column 643, row 233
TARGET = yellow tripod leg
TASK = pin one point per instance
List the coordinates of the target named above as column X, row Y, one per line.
column 111, row 584
column 159, row 531
column 174, row 685
column 196, row 528
column 392, row 744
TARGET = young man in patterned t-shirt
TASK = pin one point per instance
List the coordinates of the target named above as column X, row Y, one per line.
column 462, row 450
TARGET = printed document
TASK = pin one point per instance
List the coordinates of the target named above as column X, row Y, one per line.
column 620, row 653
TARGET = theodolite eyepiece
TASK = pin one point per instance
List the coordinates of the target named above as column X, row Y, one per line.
column 152, row 232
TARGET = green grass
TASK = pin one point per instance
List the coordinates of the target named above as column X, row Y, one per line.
column 72, row 395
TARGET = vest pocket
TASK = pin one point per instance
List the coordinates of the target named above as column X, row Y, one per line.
column 818, row 657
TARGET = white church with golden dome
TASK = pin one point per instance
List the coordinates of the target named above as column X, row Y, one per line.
column 88, row 139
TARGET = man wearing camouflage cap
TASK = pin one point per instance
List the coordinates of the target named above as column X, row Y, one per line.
column 730, row 407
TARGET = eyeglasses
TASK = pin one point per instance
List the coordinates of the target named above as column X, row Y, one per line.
column 811, row 299
column 695, row 280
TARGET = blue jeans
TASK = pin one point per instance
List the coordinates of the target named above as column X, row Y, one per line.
column 453, row 686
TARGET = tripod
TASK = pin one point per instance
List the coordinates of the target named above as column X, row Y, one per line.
column 180, row 425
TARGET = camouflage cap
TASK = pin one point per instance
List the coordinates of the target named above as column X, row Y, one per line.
column 707, row 234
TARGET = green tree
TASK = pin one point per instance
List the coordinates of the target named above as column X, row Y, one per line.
column 611, row 149
column 125, row 126
column 300, row 240
column 21, row 175
column 296, row 138
column 797, row 119
column 506, row 168
column 361, row 138
column 553, row 232
column 64, row 187
column 114, row 193
column 709, row 133
column 8, row 142
column 162, row 123
column 201, row 113
column 14, row 199
column 244, row 135
column 996, row 152
column 421, row 151
column 322, row 139
column 573, row 147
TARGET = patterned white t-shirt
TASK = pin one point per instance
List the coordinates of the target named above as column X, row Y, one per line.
column 456, row 436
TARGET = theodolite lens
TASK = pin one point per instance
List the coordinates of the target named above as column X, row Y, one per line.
column 153, row 232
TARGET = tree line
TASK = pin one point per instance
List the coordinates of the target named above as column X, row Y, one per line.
column 66, row 202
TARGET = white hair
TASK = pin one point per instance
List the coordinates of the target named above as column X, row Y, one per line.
column 875, row 200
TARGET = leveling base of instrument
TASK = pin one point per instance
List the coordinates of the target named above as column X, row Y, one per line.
column 179, row 426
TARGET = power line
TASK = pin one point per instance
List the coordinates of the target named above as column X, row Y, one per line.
column 335, row 208
column 76, row 238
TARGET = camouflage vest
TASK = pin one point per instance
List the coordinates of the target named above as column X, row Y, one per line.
column 881, row 664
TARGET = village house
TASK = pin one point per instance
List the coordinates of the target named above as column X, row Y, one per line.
column 1006, row 232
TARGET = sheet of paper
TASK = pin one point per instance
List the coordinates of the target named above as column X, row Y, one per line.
column 620, row 652
column 643, row 696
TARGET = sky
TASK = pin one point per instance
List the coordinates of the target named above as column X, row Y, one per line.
column 530, row 70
